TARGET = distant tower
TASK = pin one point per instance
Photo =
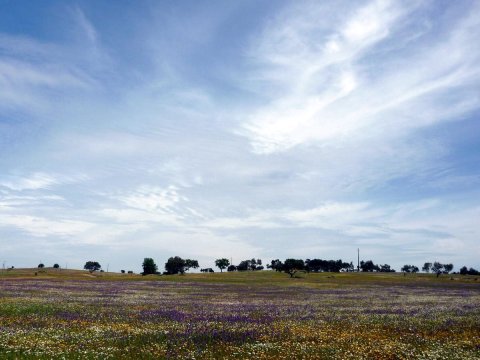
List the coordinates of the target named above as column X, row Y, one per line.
column 358, row 259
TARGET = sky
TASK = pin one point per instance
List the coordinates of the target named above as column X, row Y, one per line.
column 239, row 129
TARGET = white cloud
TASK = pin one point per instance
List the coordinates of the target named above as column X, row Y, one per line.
column 44, row 227
column 33, row 182
column 152, row 198
column 347, row 85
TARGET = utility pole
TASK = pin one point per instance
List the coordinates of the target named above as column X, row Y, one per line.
column 358, row 259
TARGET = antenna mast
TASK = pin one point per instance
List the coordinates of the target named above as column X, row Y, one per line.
column 358, row 259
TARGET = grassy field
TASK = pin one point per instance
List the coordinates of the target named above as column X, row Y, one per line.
column 73, row 314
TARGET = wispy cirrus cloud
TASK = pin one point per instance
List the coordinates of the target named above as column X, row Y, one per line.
column 33, row 182
column 330, row 87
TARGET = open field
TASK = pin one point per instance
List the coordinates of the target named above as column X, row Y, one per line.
column 253, row 315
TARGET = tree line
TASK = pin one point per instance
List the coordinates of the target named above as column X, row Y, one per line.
column 177, row 265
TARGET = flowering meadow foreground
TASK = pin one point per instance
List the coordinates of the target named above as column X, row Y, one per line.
column 262, row 315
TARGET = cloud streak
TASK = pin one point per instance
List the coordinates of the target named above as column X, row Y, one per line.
column 337, row 85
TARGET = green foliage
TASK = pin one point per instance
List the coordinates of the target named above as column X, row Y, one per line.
column 56, row 266
column 191, row 264
column 177, row 265
column 368, row 266
column 92, row 266
column 292, row 266
column 317, row 265
column 252, row 264
column 426, row 267
column 41, row 266
column 471, row 271
column 386, row 268
column 149, row 266
column 222, row 263
column 439, row 268
column 409, row 269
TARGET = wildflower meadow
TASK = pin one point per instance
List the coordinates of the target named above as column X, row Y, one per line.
column 265, row 315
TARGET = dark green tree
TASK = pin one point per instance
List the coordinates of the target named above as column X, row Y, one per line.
column 222, row 264
column 56, row 266
column 447, row 268
column 293, row 266
column 244, row 265
column 276, row 265
column 232, row 268
column 92, row 266
column 409, row 269
column 149, row 266
column 386, row 268
column 190, row 264
column 426, row 267
column 437, row 268
column 177, row 265
column 368, row 266
column 473, row 271
column 41, row 266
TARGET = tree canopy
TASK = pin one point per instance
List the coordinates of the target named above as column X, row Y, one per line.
column 177, row 265
column 222, row 263
column 92, row 266
column 149, row 266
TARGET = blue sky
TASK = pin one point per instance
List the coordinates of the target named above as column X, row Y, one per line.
column 239, row 129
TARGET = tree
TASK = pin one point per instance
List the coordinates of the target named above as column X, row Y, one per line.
column 409, row 269
column 368, row 266
column 386, row 268
column 292, row 266
column 149, row 266
column 463, row 270
column 473, row 271
column 232, row 268
column 276, row 265
column 426, row 267
column 92, row 266
column 437, row 268
column 244, row 265
column 222, row 264
column 122, row 271
column 447, row 268
column 56, row 266
column 176, row 265
column 190, row 264
column 41, row 266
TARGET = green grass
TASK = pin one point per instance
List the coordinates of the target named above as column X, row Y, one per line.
column 250, row 277
column 72, row 314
